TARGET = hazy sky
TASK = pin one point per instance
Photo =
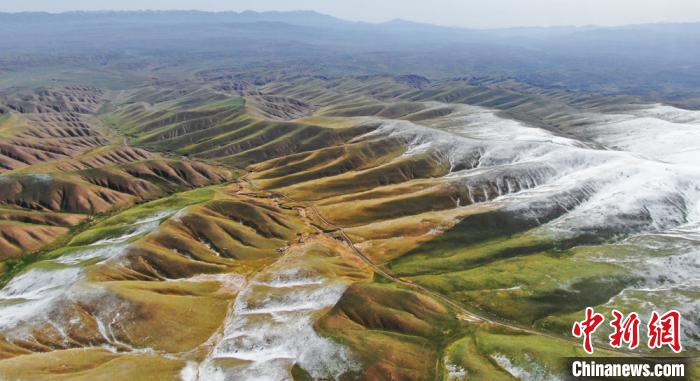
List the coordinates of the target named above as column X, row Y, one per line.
column 469, row 13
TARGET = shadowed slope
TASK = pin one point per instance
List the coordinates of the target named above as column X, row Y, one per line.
column 147, row 266
column 48, row 124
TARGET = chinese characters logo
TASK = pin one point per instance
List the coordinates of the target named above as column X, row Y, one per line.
column 662, row 330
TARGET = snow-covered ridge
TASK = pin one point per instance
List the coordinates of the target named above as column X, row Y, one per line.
column 658, row 132
column 628, row 191
column 33, row 297
column 270, row 328
column 634, row 174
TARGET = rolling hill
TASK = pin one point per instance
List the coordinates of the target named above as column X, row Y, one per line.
column 165, row 214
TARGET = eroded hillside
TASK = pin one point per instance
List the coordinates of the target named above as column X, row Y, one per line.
column 335, row 228
column 61, row 167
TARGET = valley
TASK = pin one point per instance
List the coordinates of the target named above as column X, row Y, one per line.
column 370, row 227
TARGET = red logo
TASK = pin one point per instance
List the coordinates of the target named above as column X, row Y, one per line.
column 663, row 330
column 626, row 331
column 586, row 328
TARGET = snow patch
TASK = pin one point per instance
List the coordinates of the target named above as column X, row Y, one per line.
column 270, row 328
column 535, row 372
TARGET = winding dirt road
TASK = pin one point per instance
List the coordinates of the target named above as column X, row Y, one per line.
column 463, row 313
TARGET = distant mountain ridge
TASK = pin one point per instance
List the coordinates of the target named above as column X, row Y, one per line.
column 297, row 17
column 304, row 18
column 660, row 61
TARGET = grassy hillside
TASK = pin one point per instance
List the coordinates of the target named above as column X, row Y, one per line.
column 399, row 227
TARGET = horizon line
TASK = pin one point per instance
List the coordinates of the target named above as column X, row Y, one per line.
column 145, row 10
